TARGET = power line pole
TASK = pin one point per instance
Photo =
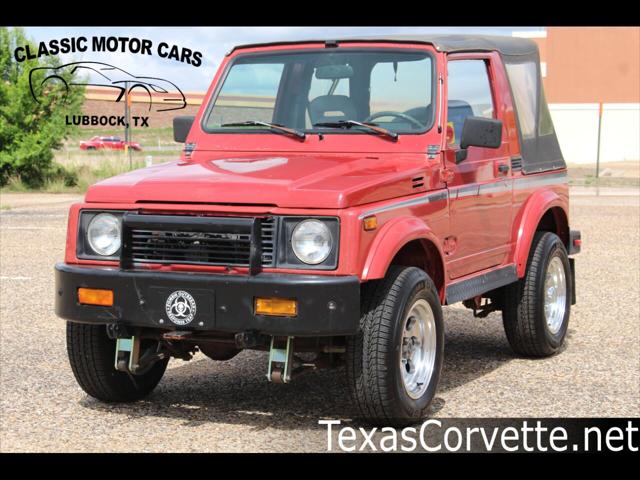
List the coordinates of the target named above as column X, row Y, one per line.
column 127, row 126
column 599, row 135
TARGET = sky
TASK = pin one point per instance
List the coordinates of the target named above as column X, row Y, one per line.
column 214, row 42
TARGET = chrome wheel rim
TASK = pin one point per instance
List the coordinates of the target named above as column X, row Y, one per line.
column 418, row 349
column 555, row 295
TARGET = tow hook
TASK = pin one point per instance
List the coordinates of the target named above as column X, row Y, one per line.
column 283, row 364
column 280, row 360
column 127, row 354
column 131, row 360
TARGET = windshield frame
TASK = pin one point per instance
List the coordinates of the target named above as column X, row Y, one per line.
column 317, row 131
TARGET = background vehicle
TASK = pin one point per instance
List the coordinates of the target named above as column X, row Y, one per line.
column 332, row 226
column 109, row 143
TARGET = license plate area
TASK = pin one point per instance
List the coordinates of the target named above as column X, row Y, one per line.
column 180, row 307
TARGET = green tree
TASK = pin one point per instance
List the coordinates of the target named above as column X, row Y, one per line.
column 30, row 130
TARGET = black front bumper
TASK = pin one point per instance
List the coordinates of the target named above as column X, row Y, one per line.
column 225, row 303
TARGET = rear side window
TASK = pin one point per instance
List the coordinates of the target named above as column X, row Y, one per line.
column 523, row 79
column 469, row 93
column 545, row 126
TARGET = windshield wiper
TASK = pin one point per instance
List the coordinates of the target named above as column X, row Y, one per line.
column 368, row 126
column 273, row 126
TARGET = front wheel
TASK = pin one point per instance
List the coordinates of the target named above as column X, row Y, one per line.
column 537, row 307
column 394, row 362
column 92, row 354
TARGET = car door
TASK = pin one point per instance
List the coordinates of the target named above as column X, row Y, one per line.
column 105, row 142
column 480, row 187
column 115, row 143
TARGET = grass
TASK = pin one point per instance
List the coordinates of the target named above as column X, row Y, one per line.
column 87, row 174
column 15, row 185
column 612, row 174
column 592, row 181
column 92, row 166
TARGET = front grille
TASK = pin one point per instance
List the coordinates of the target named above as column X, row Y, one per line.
column 190, row 247
column 268, row 233
column 200, row 245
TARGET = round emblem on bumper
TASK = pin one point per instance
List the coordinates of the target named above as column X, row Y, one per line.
column 180, row 307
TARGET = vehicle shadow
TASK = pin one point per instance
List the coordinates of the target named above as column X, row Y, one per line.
column 236, row 391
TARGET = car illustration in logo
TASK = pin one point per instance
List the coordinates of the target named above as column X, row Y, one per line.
column 180, row 307
column 165, row 95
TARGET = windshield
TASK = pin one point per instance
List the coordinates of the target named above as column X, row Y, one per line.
column 321, row 91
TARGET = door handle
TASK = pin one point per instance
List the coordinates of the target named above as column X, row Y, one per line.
column 503, row 169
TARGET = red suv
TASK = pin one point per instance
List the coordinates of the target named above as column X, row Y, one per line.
column 109, row 143
column 331, row 198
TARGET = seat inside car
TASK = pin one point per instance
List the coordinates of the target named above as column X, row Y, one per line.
column 331, row 108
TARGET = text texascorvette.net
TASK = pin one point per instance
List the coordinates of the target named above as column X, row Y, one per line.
column 527, row 436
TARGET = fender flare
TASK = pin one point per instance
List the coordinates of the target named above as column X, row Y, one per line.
column 532, row 212
column 394, row 235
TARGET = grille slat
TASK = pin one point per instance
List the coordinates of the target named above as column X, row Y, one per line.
column 200, row 247
column 192, row 252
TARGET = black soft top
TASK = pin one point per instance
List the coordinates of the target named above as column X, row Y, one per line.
column 538, row 142
column 443, row 43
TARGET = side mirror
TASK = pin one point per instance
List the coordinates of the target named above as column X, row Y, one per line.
column 479, row 132
column 181, row 127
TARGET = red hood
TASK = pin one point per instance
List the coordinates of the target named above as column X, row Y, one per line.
column 285, row 180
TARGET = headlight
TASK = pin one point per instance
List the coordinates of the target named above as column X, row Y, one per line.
column 104, row 233
column 311, row 241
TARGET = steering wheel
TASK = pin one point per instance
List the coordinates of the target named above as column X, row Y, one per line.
column 390, row 113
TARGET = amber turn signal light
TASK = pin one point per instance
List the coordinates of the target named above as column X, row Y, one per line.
column 282, row 307
column 95, row 296
column 370, row 223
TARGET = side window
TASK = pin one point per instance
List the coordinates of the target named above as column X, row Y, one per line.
column 523, row 79
column 248, row 93
column 545, row 126
column 469, row 94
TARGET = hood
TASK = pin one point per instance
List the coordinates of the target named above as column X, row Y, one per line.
column 304, row 181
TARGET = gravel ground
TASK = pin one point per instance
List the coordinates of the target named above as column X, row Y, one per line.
column 204, row 405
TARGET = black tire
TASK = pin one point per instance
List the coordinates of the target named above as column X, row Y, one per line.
column 523, row 313
column 374, row 353
column 91, row 355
